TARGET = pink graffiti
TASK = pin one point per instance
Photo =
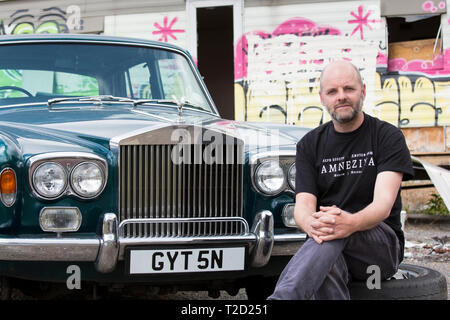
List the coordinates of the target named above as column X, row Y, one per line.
column 362, row 21
column 440, row 65
column 428, row 6
column 167, row 30
column 304, row 27
column 382, row 59
column 296, row 26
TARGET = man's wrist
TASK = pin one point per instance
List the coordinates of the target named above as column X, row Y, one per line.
column 300, row 221
column 356, row 222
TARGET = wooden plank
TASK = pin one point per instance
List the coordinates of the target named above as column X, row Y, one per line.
column 414, row 50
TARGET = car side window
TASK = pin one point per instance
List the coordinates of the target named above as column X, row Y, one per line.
column 137, row 82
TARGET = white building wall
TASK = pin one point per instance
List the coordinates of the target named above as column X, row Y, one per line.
column 167, row 26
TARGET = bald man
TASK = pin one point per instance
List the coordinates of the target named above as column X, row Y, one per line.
column 349, row 172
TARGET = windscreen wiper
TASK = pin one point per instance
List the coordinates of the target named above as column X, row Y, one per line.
column 96, row 99
column 179, row 103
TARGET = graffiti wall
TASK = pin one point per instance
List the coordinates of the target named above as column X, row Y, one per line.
column 277, row 66
column 279, row 56
column 166, row 26
column 45, row 20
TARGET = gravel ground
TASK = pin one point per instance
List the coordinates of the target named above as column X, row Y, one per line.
column 422, row 248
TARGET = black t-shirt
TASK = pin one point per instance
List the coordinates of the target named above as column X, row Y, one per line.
column 341, row 168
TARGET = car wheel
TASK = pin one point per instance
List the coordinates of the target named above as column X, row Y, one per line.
column 411, row 283
column 5, row 289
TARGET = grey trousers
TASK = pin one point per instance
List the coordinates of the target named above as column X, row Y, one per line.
column 322, row 271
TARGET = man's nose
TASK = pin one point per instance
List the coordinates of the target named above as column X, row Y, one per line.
column 341, row 95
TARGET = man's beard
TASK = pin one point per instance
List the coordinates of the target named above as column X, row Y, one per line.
column 348, row 117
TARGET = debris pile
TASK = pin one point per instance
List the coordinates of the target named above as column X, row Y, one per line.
column 438, row 250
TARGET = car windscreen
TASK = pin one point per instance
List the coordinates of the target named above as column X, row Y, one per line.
column 41, row 71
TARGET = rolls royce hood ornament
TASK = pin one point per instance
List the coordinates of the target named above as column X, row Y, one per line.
column 180, row 104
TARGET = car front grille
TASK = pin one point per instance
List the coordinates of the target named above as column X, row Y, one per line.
column 194, row 198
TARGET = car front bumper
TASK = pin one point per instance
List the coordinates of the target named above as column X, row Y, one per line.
column 107, row 250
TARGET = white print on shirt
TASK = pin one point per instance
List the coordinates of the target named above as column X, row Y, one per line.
column 340, row 166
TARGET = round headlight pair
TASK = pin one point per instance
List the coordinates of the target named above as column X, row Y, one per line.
column 270, row 177
column 50, row 179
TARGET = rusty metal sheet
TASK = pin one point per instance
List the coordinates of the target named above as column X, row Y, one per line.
column 425, row 139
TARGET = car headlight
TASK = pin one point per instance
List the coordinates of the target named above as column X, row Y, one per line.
column 87, row 179
column 291, row 176
column 50, row 179
column 269, row 177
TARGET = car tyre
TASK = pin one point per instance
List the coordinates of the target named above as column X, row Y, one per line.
column 418, row 283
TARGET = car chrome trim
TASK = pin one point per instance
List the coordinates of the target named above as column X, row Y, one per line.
column 114, row 142
column 247, row 239
column 256, row 159
column 288, row 244
column 263, row 229
column 109, row 247
column 107, row 250
column 142, row 112
column 270, row 154
column 147, row 135
column 65, row 154
column 49, row 249
column 77, row 157
column 140, row 146
column 181, row 220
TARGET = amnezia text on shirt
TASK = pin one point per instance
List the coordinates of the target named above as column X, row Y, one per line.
column 340, row 166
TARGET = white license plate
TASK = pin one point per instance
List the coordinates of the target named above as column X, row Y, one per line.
column 187, row 260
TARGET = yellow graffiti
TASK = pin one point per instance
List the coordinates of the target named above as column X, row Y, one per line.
column 310, row 112
column 400, row 100
column 26, row 22
column 404, row 102
column 239, row 102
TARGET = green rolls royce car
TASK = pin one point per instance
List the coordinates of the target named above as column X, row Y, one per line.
column 114, row 161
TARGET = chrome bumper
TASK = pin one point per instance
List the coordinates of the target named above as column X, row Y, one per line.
column 106, row 250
